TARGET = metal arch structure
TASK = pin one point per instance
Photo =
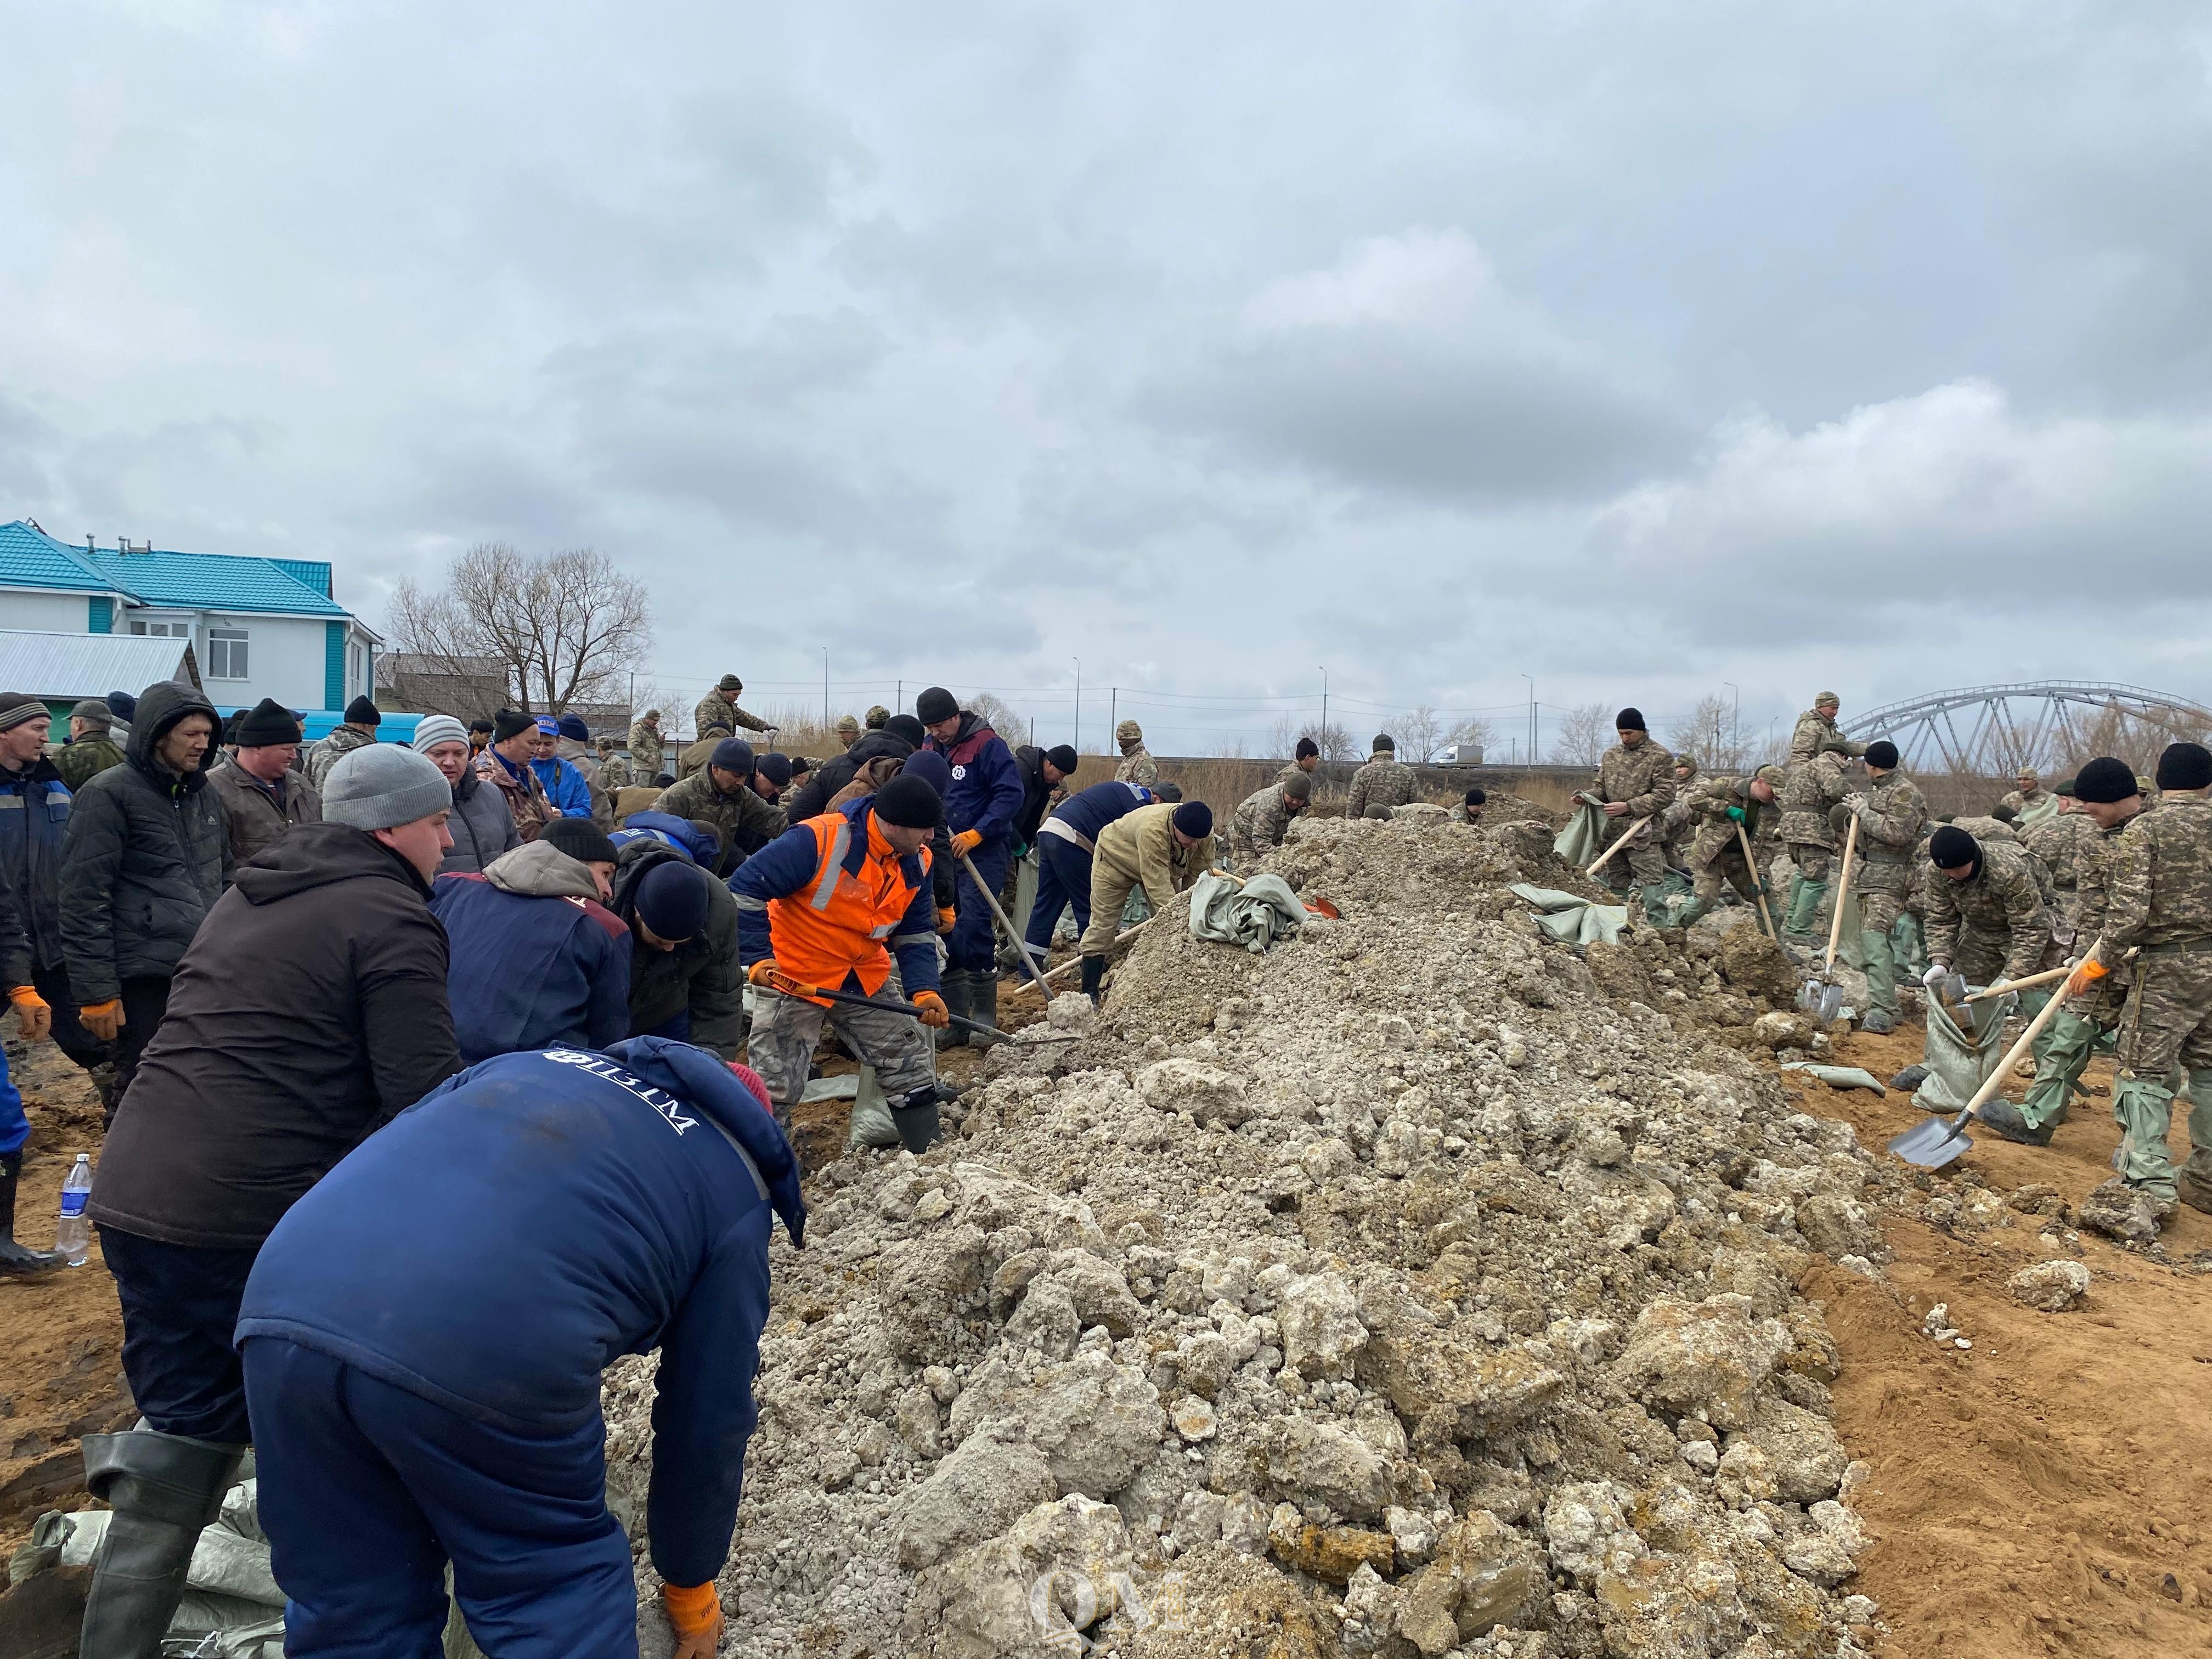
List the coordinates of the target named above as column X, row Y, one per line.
column 1991, row 731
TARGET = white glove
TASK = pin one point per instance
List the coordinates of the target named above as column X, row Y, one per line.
column 1936, row 970
column 2062, row 933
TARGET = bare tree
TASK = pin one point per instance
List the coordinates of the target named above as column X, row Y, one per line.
column 1584, row 736
column 1282, row 736
column 1000, row 715
column 1475, row 730
column 1419, row 733
column 1332, row 740
column 1709, row 734
column 568, row 628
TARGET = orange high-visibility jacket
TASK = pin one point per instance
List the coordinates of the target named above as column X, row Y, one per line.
column 830, row 898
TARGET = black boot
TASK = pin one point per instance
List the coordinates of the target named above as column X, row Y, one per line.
column 915, row 1116
column 18, row 1261
column 164, row 1488
column 955, row 989
column 1094, row 979
column 984, row 1007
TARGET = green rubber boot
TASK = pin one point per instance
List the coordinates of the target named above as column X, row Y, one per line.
column 1655, row 905
column 1805, row 898
column 2059, row 1068
column 1908, row 947
column 2195, row 1181
column 2144, row 1109
column 1881, row 974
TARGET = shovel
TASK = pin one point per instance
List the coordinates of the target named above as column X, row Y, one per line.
column 1935, row 1143
column 1021, row 946
column 1757, row 883
column 777, row 980
column 1622, row 840
column 1822, row 996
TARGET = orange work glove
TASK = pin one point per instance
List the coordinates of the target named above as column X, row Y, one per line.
column 696, row 1612
column 2084, row 976
column 933, row 1010
column 759, row 972
column 32, row 1013
column 947, row 919
column 966, row 842
column 102, row 1020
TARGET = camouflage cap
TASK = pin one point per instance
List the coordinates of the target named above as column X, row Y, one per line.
column 1774, row 776
column 652, row 715
column 1128, row 732
column 847, row 724
column 1686, row 765
column 607, row 739
column 1827, row 699
column 2028, row 773
column 876, row 715
column 729, row 682
column 1299, row 787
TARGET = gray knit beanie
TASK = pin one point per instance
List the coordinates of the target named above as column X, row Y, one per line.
column 433, row 729
column 380, row 785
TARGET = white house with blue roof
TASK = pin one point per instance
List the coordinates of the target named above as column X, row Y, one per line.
column 259, row 627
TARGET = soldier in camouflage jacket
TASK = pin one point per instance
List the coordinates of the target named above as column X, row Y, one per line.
column 1636, row 779
column 1986, row 916
column 1263, row 816
column 1715, row 805
column 1815, row 732
column 1892, row 815
column 1381, row 784
column 1816, row 787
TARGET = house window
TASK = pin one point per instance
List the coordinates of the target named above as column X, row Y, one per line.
column 227, row 653
column 167, row 630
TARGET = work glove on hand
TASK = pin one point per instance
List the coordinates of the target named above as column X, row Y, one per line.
column 761, row 971
column 102, row 1020
column 696, row 1614
column 1738, row 814
column 2085, row 976
column 934, row 1013
column 2062, row 932
column 1936, row 970
column 32, row 1014
column 966, row 842
column 947, row 919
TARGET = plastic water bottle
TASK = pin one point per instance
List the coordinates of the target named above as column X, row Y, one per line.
column 72, row 1233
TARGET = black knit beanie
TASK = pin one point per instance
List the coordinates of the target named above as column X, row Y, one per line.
column 1883, row 753
column 2184, row 766
column 580, row 839
column 1306, row 746
column 1476, row 797
column 361, row 711
column 906, row 729
column 909, row 803
column 1951, row 846
column 510, row 723
column 2105, row 780
column 776, row 767
column 1629, row 720
column 1195, row 819
column 266, row 725
column 936, row 704
column 1062, row 757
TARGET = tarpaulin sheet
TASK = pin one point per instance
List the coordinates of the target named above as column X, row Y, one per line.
column 1570, row 919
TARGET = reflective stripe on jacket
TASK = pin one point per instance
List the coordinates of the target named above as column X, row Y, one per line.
column 836, row 898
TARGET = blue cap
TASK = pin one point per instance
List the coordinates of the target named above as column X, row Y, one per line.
column 548, row 725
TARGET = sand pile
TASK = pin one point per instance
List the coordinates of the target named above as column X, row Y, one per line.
column 1419, row 1287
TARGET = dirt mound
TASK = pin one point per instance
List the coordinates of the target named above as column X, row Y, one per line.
column 1396, row 1290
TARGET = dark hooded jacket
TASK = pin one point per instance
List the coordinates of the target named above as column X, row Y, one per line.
column 482, row 826
column 310, row 1009
column 1036, row 794
column 812, row 799
column 147, row 857
column 701, row 977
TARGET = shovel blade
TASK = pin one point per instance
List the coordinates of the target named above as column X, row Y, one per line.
column 1933, row 1144
column 1832, row 1003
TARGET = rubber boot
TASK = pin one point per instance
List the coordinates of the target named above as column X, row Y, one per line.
column 103, row 1085
column 2195, row 1182
column 955, row 989
column 1654, row 904
column 983, row 1007
column 18, row 1261
column 1881, row 977
column 2144, row 1109
column 164, row 1488
column 1094, row 980
column 1805, row 898
column 1692, row 913
column 915, row 1116
column 2059, row 1068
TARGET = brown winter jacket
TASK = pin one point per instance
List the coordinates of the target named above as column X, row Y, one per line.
column 310, row 1010
column 251, row 811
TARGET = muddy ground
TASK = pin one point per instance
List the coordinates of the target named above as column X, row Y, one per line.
column 2039, row 1493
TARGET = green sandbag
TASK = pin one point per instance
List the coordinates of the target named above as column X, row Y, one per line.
column 1583, row 839
column 1959, row 1061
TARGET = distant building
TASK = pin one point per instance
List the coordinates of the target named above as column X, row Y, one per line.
column 257, row 628
column 467, row 688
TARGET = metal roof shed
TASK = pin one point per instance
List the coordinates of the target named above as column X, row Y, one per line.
column 61, row 670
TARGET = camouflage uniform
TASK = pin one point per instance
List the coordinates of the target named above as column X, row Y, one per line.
column 1995, row 926
column 523, row 795
column 1715, row 852
column 2159, row 899
column 719, row 708
column 2062, row 844
column 1816, row 786
column 743, row 819
column 1257, row 827
column 646, row 746
column 83, row 759
column 1380, row 785
column 617, row 773
column 1138, row 766
column 1891, row 819
column 1295, row 770
column 1643, row 779
column 2088, row 1023
column 1816, row 734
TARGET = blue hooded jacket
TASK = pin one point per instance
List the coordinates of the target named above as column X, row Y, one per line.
column 987, row 784
column 564, row 786
column 495, row 1246
column 1087, row 811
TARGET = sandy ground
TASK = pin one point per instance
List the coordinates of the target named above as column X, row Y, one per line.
column 2044, row 1492
column 2040, row 1493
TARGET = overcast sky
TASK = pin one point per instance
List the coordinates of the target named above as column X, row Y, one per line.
column 1633, row 349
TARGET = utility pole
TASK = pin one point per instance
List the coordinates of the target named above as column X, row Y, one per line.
column 1735, row 726
column 1079, row 704
column 633, row 696
column 1113, row 712
column 1324, row 715
column 825, row 685
column 1531, row 718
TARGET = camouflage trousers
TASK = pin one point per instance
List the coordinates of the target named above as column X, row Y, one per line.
column 1725, row 866
column 1642, row 861
column 1812, row 861
column 786, row 1030
column 1880, row 890
column 2166, row 1030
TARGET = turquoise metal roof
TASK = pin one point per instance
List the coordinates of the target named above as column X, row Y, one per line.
column 197, row 581
column 31, row 558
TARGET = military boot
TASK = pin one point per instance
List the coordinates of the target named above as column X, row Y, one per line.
column 2008, row 1120
column 956, row 989
column 164, row 1488
column 2144, row 1109
column 18, row 1261
column 1094, row 979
